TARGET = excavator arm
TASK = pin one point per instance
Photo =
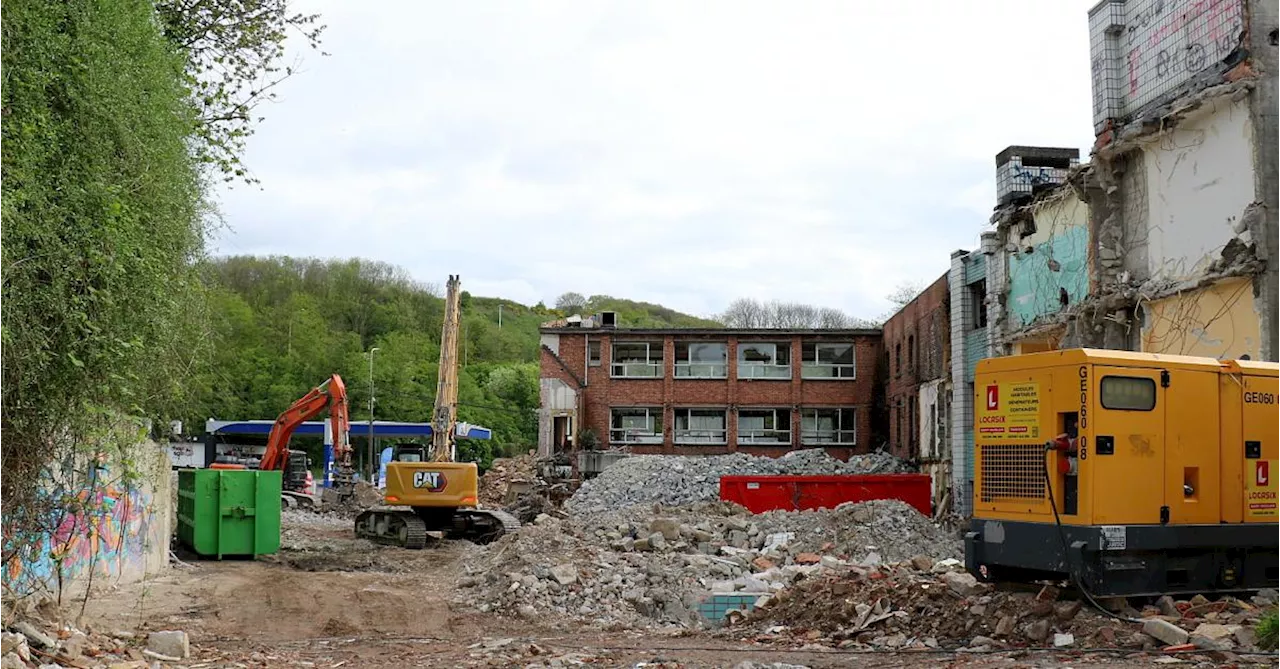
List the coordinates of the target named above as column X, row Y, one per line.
column 330, row 395
column 445, row 421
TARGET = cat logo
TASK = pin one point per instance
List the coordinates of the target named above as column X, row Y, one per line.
column 431, row 481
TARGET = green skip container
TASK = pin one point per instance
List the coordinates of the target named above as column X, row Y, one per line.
column 229, row 512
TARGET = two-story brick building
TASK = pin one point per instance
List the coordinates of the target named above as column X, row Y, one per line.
column 916, row 342
column 706, row 391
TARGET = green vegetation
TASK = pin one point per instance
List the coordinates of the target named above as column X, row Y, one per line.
column 1268, row 631
column 283, row 325
column 102, row 209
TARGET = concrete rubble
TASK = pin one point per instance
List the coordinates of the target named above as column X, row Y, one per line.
column 38, row 643
column 652, row 566
column 903, row 606
column 679, row 481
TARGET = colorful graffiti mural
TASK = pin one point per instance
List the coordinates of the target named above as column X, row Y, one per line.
column 101, row 529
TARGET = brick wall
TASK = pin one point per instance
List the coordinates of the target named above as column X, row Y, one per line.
column 565, row 356
column 916, row 341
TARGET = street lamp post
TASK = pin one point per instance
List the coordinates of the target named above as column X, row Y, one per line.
column 373, row 468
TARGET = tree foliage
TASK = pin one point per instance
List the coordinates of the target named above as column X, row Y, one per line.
column 281, row 325
column 570, row 302
column 235, row 60
column 103, row 208
column 751, row 313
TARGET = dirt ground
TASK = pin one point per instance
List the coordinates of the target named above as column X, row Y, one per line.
column 328, row 600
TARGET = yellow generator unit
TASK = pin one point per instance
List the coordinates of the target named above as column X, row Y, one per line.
column 1130, row 473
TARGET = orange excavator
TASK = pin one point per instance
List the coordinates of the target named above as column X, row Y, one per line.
column 332, row 396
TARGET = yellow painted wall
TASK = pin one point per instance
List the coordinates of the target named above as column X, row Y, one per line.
column 1218, row 321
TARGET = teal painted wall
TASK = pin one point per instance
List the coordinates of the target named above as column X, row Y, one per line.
column 1034, row 286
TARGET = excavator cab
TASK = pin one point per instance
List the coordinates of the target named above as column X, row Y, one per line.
column 408, row 453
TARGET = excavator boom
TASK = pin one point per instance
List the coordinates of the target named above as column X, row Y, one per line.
column 330, row 395
column 444, row 423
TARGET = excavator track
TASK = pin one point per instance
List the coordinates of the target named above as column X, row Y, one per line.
column 403, row 527
column 392, row 526
column 484, row 526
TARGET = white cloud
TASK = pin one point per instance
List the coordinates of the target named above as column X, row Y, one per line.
column 682, row 153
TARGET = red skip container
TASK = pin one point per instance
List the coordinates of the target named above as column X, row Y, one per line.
column 795, row 493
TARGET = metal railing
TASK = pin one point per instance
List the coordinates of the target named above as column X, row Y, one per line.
column 634, row 436
column 829, row 437
column 825, row 370
column 764, row 437
column 701, row 436
column 636, row 370
column 760, row 371
column 701, row 370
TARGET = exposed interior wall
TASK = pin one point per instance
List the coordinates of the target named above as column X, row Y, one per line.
column 1050, row 261
column 1217, row 321
column 559, row 399
column 119, row 535
column 1199, row 184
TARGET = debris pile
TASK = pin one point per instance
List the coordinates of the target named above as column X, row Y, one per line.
column 33, row 642
column 643, row 566
column 683, row 480
column 501, row 474
column 921, row 604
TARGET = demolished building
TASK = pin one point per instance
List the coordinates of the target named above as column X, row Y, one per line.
column 1166, row 241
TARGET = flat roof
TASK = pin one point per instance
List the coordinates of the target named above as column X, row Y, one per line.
column 1096, row 356
column 724, row 332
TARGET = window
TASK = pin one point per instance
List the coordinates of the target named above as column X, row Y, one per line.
column 637, row 360
column 593, row 352
column 702, row 360
column 764, row 361
column 700, row 426
column 827, row 361
column 897, row 359
column 978, row 300
column 636, row 425
column 911, row 355
column 1128, row 393
column 829, row 427
column 768, row 427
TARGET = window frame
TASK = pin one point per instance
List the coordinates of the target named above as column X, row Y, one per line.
column 1102, row 385
column 656, row 365
column 595, row 352
column 808, row 436
column 806, row 366
column 653, row 416
column 743, row 365
column 710, row 440
column 780, row 415
column 688, row 367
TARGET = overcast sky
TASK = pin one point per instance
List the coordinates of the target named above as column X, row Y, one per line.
column 683, row 152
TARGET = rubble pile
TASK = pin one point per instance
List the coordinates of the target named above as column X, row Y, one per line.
column 33, row 642
column 921, row 604
column 642, row 566
column 683, row 480
column 502, row 473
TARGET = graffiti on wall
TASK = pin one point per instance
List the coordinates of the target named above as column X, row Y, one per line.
column 1162, row 44
column 102, row 528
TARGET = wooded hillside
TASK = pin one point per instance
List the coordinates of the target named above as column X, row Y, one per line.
column 283, row 325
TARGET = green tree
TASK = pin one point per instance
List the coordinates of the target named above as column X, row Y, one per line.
column 235, row 59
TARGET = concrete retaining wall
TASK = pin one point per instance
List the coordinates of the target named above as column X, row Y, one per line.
column 119, row 534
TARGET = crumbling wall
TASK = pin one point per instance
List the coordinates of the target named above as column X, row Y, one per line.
column 1048, row 254
column 1197, row 194
column 1217, row 321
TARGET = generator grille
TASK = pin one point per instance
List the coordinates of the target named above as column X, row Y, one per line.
column 1012, row 471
